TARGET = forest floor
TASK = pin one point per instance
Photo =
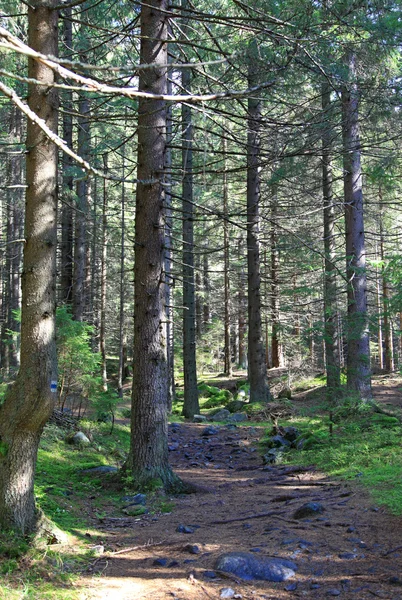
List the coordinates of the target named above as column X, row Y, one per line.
column 352, row 550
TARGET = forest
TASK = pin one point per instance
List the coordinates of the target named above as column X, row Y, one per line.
column 200, row 238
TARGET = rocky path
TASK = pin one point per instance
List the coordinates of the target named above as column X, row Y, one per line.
column 343, row 546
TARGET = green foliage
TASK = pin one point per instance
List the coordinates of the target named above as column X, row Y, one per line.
column 364, row 445
column 78, row 365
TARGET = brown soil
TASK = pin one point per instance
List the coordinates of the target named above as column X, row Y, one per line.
column 354, row 548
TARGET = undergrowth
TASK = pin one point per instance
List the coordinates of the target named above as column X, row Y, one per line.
column 364, row 446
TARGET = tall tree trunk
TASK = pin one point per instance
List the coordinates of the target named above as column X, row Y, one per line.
column 330, row 308
column 242, row 310
column 388, row 341
column 191, row 405
column 30, row 401
column 66, row 279
column 227, row 353
column 206, row 309
column 379, row 314
column 169, row 246
column 358, row 359
column 81, row 241
column 257, row 368
column 276, row 353
column 148, row 457
column 122, row 319
column 102, row 331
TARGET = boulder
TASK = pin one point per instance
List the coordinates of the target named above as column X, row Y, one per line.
column 250, row 567
column 238, row 417
column 199, row 419
column 236, row 406
column 221, row 415
column 80, row 439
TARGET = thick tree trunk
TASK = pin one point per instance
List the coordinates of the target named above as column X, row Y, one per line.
column 206, row 309
column 66, row 279
column 257, row 368
column 191, row 405
column 30, row 401
column 169, row 247
column 227, row 352
column 330, row 308
column 148, row 457
column 358, row 359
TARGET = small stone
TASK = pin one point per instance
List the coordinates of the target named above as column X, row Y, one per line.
column 291, row 587
column 160, row 562
column 192, row 549
column 174, row 446
column 394, row 580
column 98, row 549
column 347, row 555
column 209, row 574
column 227, row 593
column 333, row 592
column 184, row 529
column 310, row 509
column 137, row 499
column 208, row 431
column 351, row 529
column 314, row 586
column 174, row 563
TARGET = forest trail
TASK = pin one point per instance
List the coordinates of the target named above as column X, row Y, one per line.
column 352, row 550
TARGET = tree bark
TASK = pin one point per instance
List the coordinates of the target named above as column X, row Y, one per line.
column 388, row 341
column 227, row 352
column 102, row 331
column 358, row 358
column 148, row 457
column 257, row 368
column 191, row 405
column 81, row 241
column 67, row 223
column 242, row 310
column 30, row 401
column 276, row 354
column 330, row 308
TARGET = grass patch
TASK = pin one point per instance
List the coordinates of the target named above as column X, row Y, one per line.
column 364, row 446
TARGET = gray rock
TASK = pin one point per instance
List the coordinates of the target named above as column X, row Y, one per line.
column 227, row 593
column 160, row 562
column 185, row 529
column 310, row 509
column 80, row 439
column 199, row 419
column 236, row 406
column 291, row 433
column 221, row 415
column 333, row 592
column 249, row 566
column 278, row 441
column 103, row 469
column 275, row 455
column 192, row 548
column 210, row 431
column 137, row 499
column 238, row 417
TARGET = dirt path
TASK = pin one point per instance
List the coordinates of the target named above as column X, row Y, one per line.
column 349, row 551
